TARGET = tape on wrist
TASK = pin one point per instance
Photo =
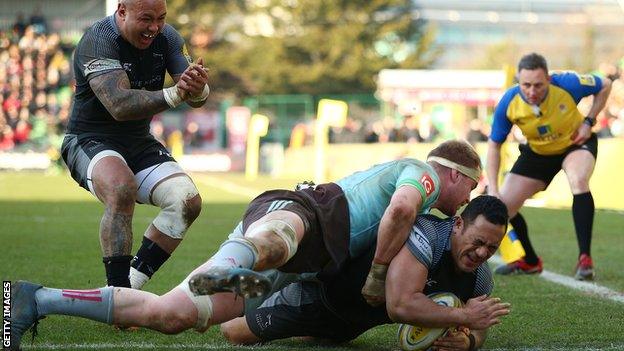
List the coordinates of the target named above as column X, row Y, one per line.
column 172, row 97
column 203, row 96
column 378, row 271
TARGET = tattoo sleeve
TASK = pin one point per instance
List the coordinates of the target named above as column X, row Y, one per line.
column 124, row 103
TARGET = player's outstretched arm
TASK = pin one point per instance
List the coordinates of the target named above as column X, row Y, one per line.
column 394, row 228
column 405, row 301
column 124, row 103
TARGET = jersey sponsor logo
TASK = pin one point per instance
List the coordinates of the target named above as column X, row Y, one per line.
column 544, row 130
column 587, row 79
column 428, row 184
column 260, row 321
column 99, row 65
column 420, row 242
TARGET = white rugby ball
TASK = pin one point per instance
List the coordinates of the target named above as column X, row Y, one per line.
column 415, row 338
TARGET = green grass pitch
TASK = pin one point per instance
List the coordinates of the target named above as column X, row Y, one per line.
column 49, row 234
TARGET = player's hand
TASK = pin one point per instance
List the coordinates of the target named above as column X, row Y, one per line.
column 193, row 79
column 581, row 135
column 454, row 340
column 483, row 312
column 374, row 289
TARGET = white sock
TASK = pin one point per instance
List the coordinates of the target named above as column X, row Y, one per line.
column 235, row 253
column 137, row 279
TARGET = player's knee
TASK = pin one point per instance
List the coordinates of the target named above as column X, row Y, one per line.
column 235, row 335
column 121, row 192
column 180, row 205
column 176, row 321
column 193, row 206
column 579, row 185
column 275, row 232
column 203, row 306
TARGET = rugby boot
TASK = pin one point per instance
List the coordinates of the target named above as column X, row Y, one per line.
column 584, row 268
column 24, row 313
column 520, row 267
column 241, row 281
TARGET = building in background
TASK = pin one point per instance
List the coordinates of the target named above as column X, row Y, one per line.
column 578, row 34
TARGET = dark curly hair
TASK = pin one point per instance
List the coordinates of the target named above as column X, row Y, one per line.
column 491, row 207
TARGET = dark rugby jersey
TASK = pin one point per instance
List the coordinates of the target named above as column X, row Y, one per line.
column 103, row 49
column 430, row 243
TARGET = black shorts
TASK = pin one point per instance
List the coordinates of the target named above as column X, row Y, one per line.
column 546, row 167
column 325, row 214
column 79, row 151
column 299, row 310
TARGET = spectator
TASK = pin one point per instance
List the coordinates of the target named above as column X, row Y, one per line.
column 20, row 25
column 38, row 21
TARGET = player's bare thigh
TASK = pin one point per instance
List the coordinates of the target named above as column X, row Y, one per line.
column 112, row 179
column 289, row 217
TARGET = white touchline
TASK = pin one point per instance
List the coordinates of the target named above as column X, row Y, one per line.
column 572, row 283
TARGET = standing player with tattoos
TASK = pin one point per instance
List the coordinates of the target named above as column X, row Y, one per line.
column 120, row 66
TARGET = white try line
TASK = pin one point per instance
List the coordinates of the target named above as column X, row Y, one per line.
column 572, row 283
column 144, row 346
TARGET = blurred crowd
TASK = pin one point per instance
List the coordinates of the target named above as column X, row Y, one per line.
column 35, row 87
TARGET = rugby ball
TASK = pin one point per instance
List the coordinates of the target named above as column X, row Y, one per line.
column 415, row 338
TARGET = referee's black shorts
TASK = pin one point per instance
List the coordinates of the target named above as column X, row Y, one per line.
column 544, row 168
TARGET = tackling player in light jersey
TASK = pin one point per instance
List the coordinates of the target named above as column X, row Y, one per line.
column 440, row 255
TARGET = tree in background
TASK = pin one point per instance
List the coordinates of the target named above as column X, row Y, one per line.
column 303, row 46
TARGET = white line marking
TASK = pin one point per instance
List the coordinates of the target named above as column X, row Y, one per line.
column 572, row 283
column 146, row 346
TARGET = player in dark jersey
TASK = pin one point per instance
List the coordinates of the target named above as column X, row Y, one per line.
column 120, row 65
column 441, row 255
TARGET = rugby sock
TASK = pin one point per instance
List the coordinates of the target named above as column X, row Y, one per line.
column 149, row 258
column 235, row 253
column 147, row 261
column 583, row 215
column 117, row 270
column 96, row 304
column 520, row 227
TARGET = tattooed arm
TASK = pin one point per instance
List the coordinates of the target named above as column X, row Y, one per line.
column 124, row 103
